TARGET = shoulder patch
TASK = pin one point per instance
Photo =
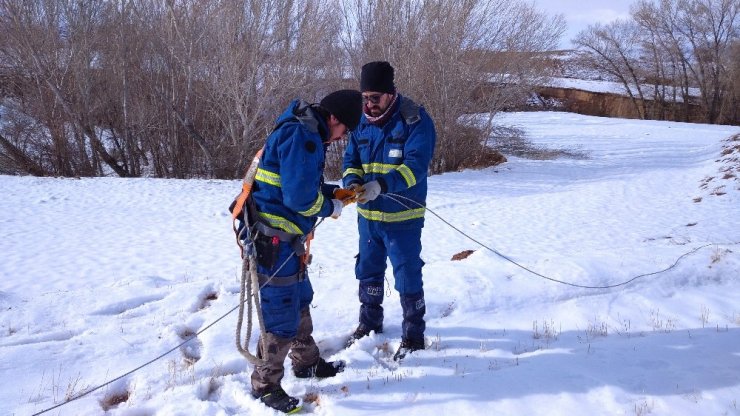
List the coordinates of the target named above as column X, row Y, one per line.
column 310, row 146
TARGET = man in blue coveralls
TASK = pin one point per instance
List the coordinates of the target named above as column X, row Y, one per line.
column 389, row 153
column 288, row 195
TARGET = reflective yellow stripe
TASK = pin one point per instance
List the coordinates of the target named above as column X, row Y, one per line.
column 408, row 175
column 391, row 216
column 384, row 168
column 378, row 167
column 267, row 177
column 280, row 223
column 315, row 208
column 354, row 171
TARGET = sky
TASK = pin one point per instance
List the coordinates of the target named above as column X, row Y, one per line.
column 99, row 276
column 579, row 14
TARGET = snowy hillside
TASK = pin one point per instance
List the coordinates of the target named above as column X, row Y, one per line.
column 99, row 276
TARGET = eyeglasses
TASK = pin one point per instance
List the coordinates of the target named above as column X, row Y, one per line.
column 373, row 98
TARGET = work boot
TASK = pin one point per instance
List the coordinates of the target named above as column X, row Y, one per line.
column 408, row 346
column 278, row 399
column 414, row 308
column 321, row 369
column 361, row 332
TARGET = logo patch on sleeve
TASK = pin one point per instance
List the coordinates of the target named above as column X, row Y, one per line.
column 310, row 146
column 395, row 153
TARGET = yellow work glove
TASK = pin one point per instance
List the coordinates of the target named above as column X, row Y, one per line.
column 347, row 196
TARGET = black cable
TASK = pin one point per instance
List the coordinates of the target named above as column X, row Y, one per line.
column 393, row 196
column 81, row 395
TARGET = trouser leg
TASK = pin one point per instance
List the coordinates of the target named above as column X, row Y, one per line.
column 267, row 375
column 404, row 250
column 303, row 350
column 370, row 271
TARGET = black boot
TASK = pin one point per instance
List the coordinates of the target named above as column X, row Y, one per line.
column 408, row 346
column 414, row 308
column 371, row 309
column 321, row 369
column 278, row 399
column 361, row 332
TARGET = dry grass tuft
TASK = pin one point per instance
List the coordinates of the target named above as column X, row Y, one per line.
column 112, row 400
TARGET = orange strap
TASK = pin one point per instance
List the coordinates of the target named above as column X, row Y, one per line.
column 247, row 183
column 306, row 257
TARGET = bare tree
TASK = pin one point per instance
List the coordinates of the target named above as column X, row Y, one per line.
column 613, row 49
column 694, row 38
column 267, row 54
column 52, row 44
column 238, row 63
column 731, row 109
column 449, row 53
column 182, row 88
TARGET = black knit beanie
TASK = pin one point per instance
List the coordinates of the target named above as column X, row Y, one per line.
column 377, row 76
column 345, row 105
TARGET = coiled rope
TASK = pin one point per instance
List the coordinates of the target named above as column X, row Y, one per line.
column 246, row 294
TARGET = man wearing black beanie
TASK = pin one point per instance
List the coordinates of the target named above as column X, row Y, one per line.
column 288, row 195
column 389, row 153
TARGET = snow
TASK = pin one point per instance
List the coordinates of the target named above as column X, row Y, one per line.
column 612, row 87
column 99, row 276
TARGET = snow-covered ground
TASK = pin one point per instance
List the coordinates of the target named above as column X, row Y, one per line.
column 618, row 88
column 99, row 276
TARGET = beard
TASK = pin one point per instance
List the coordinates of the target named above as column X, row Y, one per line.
column 374, row 110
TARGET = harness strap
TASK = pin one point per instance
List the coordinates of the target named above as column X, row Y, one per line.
column 281, row 280
column 296, row 241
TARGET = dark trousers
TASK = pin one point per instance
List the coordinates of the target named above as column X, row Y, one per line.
column 403, row 248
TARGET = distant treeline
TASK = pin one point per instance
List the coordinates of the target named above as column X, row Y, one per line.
column 190, row 88
column 666, row 49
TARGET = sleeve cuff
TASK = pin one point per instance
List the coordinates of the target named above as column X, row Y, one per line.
column 383, row 185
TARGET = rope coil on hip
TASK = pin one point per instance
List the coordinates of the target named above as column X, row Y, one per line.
column 249, row 267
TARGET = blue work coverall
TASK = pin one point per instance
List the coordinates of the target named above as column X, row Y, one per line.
column 397, row 155
column 289, row 195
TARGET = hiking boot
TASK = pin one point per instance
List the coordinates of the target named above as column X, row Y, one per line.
column 361, row 332
column 408, row 346
column 278, row 399
column 321, row 369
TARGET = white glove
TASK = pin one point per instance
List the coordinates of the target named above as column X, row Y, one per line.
column 338, row 205
column 368, row 192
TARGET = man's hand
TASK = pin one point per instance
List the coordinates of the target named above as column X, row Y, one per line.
column 368, row 192
column 347, row 196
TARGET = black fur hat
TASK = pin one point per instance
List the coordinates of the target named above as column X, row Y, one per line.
column 345, row 105
column 377, row 76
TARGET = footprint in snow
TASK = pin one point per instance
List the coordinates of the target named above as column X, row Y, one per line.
column 191, row 349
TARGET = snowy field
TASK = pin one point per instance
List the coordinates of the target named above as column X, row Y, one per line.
column 99, row 276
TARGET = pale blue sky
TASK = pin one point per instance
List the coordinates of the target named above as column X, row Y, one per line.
column 580, row 13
